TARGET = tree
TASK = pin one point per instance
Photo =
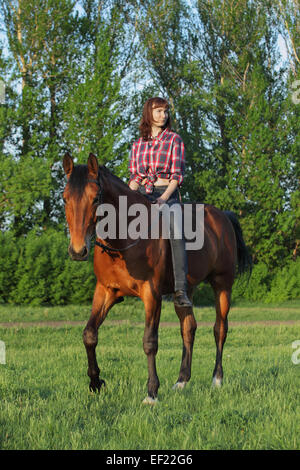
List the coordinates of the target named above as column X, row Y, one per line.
column 228, row 97
column 92, row 110
column 254, row 168
column 41, row 36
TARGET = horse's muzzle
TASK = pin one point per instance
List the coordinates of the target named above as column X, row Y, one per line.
column 82, row 255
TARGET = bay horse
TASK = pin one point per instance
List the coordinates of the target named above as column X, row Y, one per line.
column 143, row 268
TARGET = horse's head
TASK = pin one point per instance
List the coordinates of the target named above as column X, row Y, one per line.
column 81, row 198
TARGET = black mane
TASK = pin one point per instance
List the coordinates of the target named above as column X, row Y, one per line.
column 105, row 173
column 79, row 179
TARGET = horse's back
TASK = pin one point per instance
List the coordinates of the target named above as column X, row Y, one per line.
column 218, row 251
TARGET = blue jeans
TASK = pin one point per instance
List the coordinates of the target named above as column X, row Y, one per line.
column 179, row 257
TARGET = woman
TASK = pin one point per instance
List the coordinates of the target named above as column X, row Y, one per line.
column 156, row 169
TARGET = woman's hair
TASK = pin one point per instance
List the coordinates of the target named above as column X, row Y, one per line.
column 146, row 121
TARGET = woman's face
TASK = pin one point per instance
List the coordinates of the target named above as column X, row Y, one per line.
column 159, row 116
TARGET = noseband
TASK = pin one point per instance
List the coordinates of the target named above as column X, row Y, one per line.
column 99, row 199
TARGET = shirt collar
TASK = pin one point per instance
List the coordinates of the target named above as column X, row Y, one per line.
column 160, row 135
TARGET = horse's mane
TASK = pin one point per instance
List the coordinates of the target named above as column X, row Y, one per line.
column 103, row 171
column 123, row 187
column 79, row 179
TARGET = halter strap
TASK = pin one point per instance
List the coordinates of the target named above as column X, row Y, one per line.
column 108, row 248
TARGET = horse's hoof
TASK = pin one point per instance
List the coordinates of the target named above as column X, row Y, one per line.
column 179, row 385
column 150, row 401
column 96, row 384
column 217, row 382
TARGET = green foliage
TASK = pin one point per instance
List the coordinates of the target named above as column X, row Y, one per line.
column 286, row 283
column 93, row 110
column 270, row 286
column 257, row 286
column 36, row 270
column 76, row 79
column 10, row 252
column 204, row 295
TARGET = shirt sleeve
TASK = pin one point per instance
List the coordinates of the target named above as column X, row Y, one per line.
column 133, row 166
column 177, row 160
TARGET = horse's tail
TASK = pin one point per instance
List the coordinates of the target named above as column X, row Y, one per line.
column 244, row 260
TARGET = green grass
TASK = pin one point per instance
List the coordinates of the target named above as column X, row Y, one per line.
column 133, row 310
column 45, row 402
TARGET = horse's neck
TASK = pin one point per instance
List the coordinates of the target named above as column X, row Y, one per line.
column 121, row 197
column 112, row 189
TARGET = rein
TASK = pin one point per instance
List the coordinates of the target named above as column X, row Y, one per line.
column 104, row 247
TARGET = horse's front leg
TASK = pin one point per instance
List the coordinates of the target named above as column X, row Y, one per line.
column 150, row 343
column 103, row 300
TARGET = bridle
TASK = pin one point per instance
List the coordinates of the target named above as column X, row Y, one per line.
column 106, row 248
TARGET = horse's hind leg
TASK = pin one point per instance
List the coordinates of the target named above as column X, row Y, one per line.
column 222, row 296
column 188, row 326
column 150, row 343
column 103, row 300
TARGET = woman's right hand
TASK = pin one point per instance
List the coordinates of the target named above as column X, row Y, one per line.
column 134, row 185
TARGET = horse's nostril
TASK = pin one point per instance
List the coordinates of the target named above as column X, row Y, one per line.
column 84, row 252
column 78, row 255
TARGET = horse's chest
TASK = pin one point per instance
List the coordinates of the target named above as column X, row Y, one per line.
column 114, row 274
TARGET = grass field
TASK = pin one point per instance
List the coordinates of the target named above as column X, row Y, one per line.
column 45, row 402
column 132, row 310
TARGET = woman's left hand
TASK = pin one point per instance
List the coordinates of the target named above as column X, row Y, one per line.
column 168, row 192
column 160, row 200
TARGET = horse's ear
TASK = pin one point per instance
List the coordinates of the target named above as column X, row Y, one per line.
column 93, row 165
column 68, row 164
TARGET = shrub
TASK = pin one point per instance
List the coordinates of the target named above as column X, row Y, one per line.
column 204, row 295
column 256, row 287
column 38, row 271
column 286, row 283
column 10, row 249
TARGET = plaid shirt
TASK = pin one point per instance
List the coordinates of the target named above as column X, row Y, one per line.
column 162, row 157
